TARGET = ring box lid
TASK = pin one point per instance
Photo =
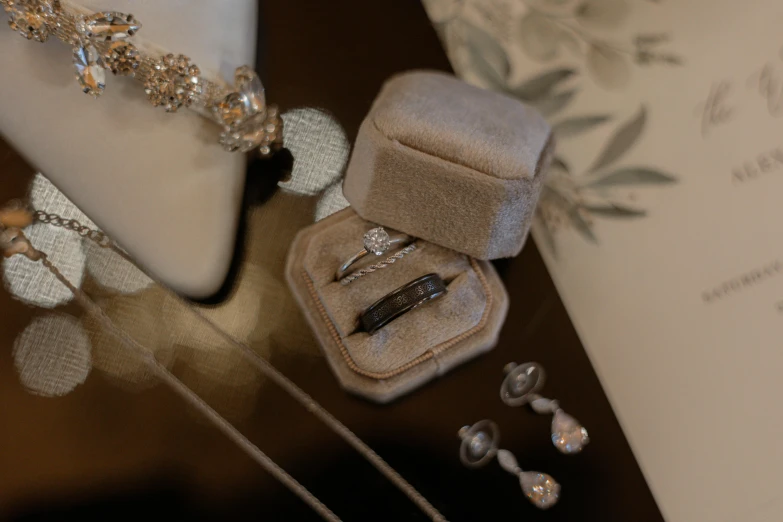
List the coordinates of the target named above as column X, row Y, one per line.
column 450, row 163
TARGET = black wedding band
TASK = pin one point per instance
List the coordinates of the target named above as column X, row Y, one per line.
column 402, row 301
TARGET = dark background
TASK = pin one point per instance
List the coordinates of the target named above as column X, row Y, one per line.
column 102, row 453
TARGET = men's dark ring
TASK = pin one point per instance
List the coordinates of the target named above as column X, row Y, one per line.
column 402, row 301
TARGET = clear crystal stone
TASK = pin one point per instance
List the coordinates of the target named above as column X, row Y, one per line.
column 89, row 70
column 247, row 136
column 80, row 24
column 232, row 109
column 479, row 445
column 508, row 461
column 109, row 26
column 377, row 241
column 249, row 85
column 234, row 141
column 175, row 82
column 567, row 434
column 540, row 489
column 30, row 24
column 122, row 58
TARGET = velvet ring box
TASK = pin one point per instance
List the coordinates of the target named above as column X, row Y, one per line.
column 459, row 168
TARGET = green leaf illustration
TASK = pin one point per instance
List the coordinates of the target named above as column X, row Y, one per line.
column 539, row 37
column 650, row 39
column 608, row 66
column 671, row 59
column 581, row 226
column 572, row 44
column 555, row 103
column 488, row 57
column 559, row 163
column 547, row 235
column 541, row 85
column 615, row 211
column 633, row 176
column 622, row 140
column 575, row 126
column 554, row 197
column 602, row 14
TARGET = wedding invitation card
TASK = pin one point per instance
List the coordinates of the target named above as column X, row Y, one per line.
column 659, row 220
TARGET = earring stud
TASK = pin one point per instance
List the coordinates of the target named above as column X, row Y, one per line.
column 521, row 387
column 480, row 445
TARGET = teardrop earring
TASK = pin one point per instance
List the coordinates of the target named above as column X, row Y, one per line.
column 480, row 445
column 521, row 387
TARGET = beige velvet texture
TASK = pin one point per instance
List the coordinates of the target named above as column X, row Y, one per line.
column 450, row 163
column 473, row 309
column 411, row 335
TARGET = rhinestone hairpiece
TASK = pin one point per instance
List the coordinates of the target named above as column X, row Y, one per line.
column 101, row 42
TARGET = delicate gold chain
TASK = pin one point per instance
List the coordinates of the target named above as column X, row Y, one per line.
column 71, row 224
column 260, row 363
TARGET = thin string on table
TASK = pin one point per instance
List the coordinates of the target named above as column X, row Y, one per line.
column 197, row 402
column 269, row 371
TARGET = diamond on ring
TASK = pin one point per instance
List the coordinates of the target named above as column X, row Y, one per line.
column 377, row 241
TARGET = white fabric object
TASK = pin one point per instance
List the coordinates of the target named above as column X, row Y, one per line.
column 45, row 197
column 158, row 183
column 320, row 149
column 52, row 355
column 113, row 271
column 33, row 284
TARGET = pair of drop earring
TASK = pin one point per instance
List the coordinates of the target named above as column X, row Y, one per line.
column 480, row 441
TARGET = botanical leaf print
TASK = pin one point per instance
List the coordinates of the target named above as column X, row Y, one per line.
column 614, row 210
column 541, row 85
column 488, row 58
column 586, row 38
column 575, row 126
column 551, row 105
column 623, row 139
column 539, row 37
column 633, row 176
column 609, row 67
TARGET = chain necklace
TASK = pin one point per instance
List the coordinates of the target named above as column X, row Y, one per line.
column 15, row 217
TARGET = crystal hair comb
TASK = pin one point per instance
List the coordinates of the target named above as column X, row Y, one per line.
column 101, row 42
